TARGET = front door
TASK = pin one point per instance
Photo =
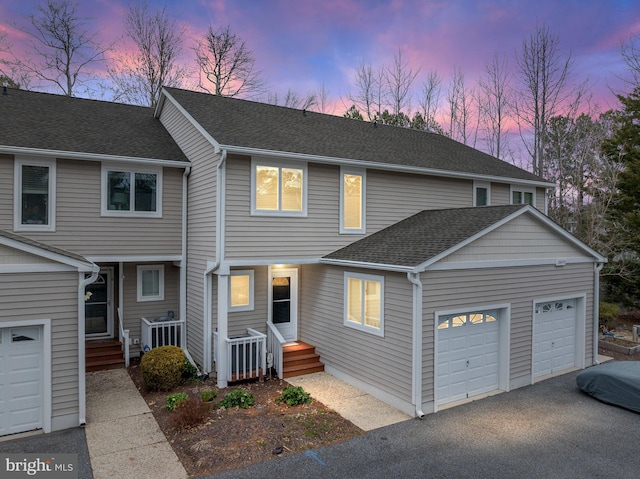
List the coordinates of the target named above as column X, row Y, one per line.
column 98, row 306
column 284, row 302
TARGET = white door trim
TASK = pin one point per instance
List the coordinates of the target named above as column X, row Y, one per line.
column 109, row 272
column 276, row 272
column 46, row 363
column 580, row 327
column 504, row 347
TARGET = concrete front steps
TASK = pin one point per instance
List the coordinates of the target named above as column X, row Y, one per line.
column 300, row 358
column 103, row 354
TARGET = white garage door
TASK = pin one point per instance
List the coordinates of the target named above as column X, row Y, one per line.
column 468, row 355
column 554, row 340
column 21, row 383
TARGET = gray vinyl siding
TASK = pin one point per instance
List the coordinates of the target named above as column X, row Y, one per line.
column 389, row 198
column 239, row 321
column 12, row 256
column 382, row 362
column 517, row 286
column 52, row 296
column 6, row 192
column 201, row 229
column 81, row 229
column 500, row 194
column 134, row 310
column 540, row 199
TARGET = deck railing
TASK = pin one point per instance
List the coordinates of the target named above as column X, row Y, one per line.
column 124, row 338
column 161, row 333
column 275, row 342
column 246, row 356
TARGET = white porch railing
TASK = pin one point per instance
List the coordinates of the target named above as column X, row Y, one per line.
column 161, row 333
column 124, row 338
column 275, row 341
column 246, row 356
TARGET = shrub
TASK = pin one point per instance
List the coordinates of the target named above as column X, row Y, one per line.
column 294, row 396
column 174, row 400
column 238, row 398
column 208, row 395
column 189, row 371
column 162, row 368
column 189, row 413
column 608, row 313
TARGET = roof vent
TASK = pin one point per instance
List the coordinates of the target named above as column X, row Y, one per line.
column 304, row 112
column 5, row 92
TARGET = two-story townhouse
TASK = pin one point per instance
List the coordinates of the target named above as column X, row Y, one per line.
column 91, row 240
column 422, row 270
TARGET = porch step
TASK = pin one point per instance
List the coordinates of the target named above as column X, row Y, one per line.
column 104, row 354
column 299, row 359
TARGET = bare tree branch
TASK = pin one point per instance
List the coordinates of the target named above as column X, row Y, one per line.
column 493, row 104
column 399, row 79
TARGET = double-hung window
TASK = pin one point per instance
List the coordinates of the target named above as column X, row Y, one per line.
column 364, row 302
column 278, row 189
column 131, row 192
column 481, row 193
column 151, row 282
column 241, row 290
column 35, row 194
column 352, row 201
column 521, row 196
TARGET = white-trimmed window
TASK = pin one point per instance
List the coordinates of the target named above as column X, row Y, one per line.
column 352, row 201
column 364, row 302
column 520, row 196
column 35, row 194
column 481, row 193
column 278, row 188
column 151, row 282
column 241, row 290
column 131, row 191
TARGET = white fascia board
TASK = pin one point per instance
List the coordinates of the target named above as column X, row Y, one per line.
column 506, row 263
column 527, row 209
column 380, row 166
column 38, row 268
column 359, row 264
column 135, row 259
column 165, row 94
column 87, row 156
column 78, row 265
column 230, row 263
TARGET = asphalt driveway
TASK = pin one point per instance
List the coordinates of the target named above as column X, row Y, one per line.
column 549, row 430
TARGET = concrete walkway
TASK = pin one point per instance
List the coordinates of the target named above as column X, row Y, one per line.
column 360, row 408
column 123, row 438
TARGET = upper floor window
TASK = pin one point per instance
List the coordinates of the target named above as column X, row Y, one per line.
column 352, row 201
column 278, row 188
column 481, row 193
column 364, row 302
column 35, row 194
column 241, row 290
column 131, row 192
column 151, row 282
column 521, row 196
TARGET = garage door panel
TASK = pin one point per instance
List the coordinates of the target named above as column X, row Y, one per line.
column 554, row 339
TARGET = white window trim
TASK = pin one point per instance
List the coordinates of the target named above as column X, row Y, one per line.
column 17, row 193
column 363, row 327
column 482, row 184
column 246, row 307
column 523, row 189
column 104, row 189
column 279, row 164
column 147, row 267
column 363, row 204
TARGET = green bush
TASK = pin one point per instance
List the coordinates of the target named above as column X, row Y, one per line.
column 238, row 398
column 174, row 400
column 608, row 314
column 294, row 396
column 208, row 395
column 189, row 372
column 162, row 368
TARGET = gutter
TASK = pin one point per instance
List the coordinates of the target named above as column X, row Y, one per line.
column 416, row 356
column 82, row 387
column 597, row 267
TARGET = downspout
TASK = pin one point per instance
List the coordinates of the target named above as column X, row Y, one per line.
column 597, row 267
column 416, row 356
column 212, row 267
column 82, row 389
column 183, row 263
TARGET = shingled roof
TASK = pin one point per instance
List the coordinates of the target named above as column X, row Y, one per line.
column 56, row 122
column 422, row 236
column 246, row 124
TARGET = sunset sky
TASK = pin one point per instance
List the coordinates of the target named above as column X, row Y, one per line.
column 300, row 44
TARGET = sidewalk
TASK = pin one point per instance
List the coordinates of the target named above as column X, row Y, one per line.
column 123, row 438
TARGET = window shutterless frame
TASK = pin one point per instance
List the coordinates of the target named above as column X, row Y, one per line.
column 364, row 303
column 34, row 205
column 274, row 186
column 353, row 193
column 130, row 191
column 150, row 282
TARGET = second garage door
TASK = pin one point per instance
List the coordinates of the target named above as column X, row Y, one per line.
column 468, row 355
column 554, row 337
